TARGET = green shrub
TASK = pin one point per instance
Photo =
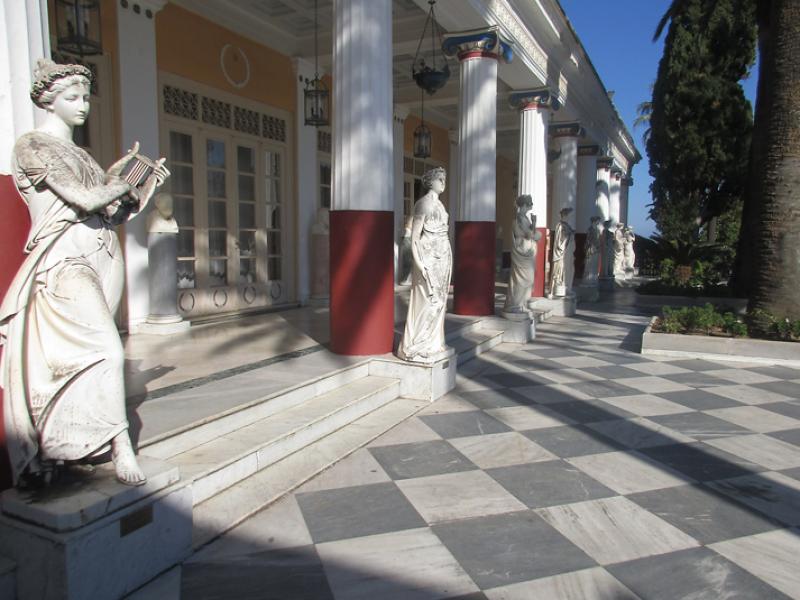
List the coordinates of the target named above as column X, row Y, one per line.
column 700, row 319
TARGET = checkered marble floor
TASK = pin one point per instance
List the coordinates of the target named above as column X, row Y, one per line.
column 568, row 468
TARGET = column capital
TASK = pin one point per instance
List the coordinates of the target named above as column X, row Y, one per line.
column 589, row 150
column 604, row 163
column 485, row 42
column 616, row 173
column 533, row 99
column 627, row 180
column 400, row 113
column 143, row 6
column 557, row 130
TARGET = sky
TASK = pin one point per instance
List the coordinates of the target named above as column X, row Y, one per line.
column 618, row 37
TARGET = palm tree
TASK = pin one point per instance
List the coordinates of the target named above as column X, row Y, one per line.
column 643, row 112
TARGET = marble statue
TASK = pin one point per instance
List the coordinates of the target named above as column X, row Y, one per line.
column 607, row 262
column 619, row 250
column 162, row 219
column 406, row 256
column 62, row 361
column 561, row 242
column 592, row 251
column 423, row 337
column 630, row 256
column 523, row 256
column 320, row 254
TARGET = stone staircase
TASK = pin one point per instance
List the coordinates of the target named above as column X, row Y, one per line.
column 249, row 455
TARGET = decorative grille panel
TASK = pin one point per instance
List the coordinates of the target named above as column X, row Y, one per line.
column 274, row 128
column 245, row 120
column 324, row 141
column 180, row 103
column 216, row 112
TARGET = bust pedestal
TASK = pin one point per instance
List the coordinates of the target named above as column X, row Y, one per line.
column 96, row 538
column 320, row 269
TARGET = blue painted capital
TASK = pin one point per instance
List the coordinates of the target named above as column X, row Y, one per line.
column 486, row 42
column 538, row 98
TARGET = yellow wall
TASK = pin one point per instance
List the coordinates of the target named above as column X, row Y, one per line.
column 505, row 198
column 189, row 46
column 440, row 142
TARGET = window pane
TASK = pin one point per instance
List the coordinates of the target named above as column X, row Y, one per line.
column 245, row 159
column 215, row 154
column 180, row 146
column 325, row 197
column 247, row 187
column 216, row 184
column 273, row 242
column 247, row 270
column 181, row 178
column 186, row 278
column 217, row 272
column 186, row 242
column 273, row 191
column 324, row 174
column 217, row 243
column 247, row 243
column 274, row 217
column 184, row 211
column 273, row 164
column 274, row 268
column 216, row 214
column 247, row 216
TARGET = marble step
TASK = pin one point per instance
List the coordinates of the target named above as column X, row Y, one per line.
column 8, row 579
column 475, row 342
column 230, row 507
column 253, row 408
column 216, row 465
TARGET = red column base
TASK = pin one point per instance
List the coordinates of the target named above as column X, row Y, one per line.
column 14, row 227
column 540, row 275
column 473, row 275
column 362, row 282
column 580, row 254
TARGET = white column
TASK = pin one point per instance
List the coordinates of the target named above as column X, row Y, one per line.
column 565, row 187
column 24, row 40
column 307, row 181
column 400, row 115
column 362, row 105
column 535, row 107
column 362, row 215
column 138, row 94
column 613, row 195
column 479, row 52
column 602, row 188
column 587, row 186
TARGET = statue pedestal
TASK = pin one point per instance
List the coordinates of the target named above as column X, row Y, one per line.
column 517, row 327
column 420, row 380
column 566, row 306
column 94, row 537
column 162, row 251
column 320, row 270
column 607, row 283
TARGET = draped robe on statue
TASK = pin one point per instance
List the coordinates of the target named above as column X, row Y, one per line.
column 62, row 361
column 523, row 264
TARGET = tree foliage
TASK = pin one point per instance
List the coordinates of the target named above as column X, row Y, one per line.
column 700, row 121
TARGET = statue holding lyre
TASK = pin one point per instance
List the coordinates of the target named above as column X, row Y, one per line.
column 62, row 361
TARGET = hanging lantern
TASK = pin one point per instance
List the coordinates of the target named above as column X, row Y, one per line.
column 316, row 97
column 78, row 27
column 422, row 141
column 430, row 78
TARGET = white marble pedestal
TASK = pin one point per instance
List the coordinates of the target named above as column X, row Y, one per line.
column 96, row 538
column 565, row 306
column 517, row 327
column 419, row 381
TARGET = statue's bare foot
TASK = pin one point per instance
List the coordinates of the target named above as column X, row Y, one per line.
column 128, row 470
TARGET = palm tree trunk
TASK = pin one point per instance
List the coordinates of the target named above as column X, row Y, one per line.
column 777, row 248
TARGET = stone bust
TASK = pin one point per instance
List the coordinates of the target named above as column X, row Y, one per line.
column 161, row 218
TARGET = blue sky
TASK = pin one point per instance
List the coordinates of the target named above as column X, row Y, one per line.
column 618, row 37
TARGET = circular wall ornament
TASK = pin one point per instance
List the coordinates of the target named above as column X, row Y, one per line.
column 235, row 65
column 220, row 298
column 249, row 294
column 275, row 290
column 186, row 302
